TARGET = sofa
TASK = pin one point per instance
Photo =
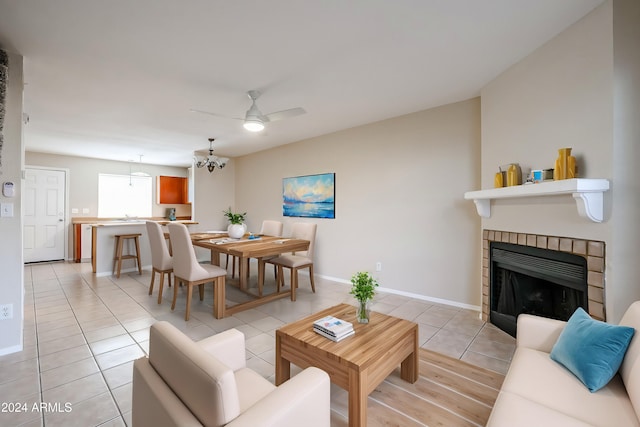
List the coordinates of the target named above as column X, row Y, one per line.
column 538, row 391
column 207, row 383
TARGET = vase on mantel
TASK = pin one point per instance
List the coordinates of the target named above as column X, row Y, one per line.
column 565, row 166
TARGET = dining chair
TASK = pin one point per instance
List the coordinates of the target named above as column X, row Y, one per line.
column 189, row 271
column 161, row 260
column 296, row 260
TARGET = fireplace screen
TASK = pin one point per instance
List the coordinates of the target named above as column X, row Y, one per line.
column 534, row 281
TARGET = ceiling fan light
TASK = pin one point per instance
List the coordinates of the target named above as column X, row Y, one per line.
column 253, row 125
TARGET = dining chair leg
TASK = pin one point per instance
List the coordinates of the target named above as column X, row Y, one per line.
column 160, row 288
column 201, row 289
column 189, row 293
column 153, row 277
column 313, row 286
column 219, row 301
column 280, row 281
column 294, row 283
column 175, row 294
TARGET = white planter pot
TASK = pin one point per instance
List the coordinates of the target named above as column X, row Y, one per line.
column 236, row 231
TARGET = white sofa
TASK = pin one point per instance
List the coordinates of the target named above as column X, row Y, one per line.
column 537, row 391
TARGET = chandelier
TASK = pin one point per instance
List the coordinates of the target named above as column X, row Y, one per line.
column 212, row 161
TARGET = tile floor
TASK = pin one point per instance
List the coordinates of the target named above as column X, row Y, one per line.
column 82, row 333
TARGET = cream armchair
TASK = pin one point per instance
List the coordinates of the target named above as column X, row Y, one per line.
column 206, row 383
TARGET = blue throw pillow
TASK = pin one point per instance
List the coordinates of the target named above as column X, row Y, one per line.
column 591, row 350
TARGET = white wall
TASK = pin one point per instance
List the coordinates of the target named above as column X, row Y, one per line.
column 11, row 278
column 569, row 93
column 399, row 188
column 83, row 183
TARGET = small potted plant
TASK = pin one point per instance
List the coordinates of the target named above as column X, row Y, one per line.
column 363, row 288
column 237, row 227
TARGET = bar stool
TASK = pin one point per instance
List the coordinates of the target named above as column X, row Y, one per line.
column 120, row 239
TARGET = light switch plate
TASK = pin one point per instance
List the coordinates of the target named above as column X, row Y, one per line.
column 6, row 209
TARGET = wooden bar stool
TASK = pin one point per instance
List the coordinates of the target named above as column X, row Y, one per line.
column 120, row 239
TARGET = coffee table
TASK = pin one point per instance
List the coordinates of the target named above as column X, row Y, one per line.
column 357, row 363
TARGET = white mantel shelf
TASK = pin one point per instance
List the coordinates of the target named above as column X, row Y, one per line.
column 586, row 192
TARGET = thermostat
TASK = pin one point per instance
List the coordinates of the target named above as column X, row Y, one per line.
column 8, row 189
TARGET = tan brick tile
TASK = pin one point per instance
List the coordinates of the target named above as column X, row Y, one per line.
column 595, row 248
column 580, row 247
column 595, row 263
column 566, row 245
column 553, row 243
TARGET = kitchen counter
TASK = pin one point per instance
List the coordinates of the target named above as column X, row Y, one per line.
column 103, row 244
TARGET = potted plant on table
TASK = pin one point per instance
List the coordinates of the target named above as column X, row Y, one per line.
column 363, row 288
column 237, row 227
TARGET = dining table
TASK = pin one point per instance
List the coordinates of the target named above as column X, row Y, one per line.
column 245, row 248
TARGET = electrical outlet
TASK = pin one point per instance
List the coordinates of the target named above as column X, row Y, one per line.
column 378, row 266
column 6, row 311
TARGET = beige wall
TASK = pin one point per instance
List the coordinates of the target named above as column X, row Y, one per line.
column 399, row 187
column 559, row 96
column 83, row 183
column 562, row 95
column 214, row 193
column 11, row 278
column 626, row 155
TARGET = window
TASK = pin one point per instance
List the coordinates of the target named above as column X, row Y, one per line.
column 124, row 195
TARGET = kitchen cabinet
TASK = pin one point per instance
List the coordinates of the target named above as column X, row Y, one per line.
column 172, row 190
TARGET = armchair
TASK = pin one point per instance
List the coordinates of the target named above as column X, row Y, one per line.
column 207, row 383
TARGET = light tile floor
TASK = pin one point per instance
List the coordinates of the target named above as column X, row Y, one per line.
column 82, row 333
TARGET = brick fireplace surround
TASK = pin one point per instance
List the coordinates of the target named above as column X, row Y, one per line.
column 591, row 250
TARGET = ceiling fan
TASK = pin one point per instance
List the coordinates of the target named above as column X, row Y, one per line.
column 254, row 120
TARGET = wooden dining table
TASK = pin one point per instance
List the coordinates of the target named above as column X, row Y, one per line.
column 245, row 249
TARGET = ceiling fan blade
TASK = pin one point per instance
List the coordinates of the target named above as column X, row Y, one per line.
column 214, row 114
column 284, row 114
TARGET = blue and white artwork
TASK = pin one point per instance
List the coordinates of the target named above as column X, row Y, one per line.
column 311, row 196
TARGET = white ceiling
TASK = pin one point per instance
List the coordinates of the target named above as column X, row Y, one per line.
column 117, row 79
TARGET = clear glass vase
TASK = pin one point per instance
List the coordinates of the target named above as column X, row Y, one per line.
column 363, row 311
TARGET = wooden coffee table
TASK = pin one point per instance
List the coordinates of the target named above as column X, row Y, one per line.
column 358, row 363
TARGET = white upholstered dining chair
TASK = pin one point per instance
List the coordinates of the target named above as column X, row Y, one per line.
column 296, row 260
column 188, row 271
column 207, row 383
column 161, row 260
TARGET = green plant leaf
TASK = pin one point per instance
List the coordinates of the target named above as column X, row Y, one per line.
column 363, row 286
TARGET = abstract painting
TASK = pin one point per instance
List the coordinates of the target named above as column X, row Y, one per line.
column 311, row 196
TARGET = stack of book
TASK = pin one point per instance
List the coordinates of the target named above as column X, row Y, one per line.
column 333, row 328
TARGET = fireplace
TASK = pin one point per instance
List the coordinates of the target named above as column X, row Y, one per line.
column 592, row 251
column 536, row 281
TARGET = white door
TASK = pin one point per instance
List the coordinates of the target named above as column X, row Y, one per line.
column 44, row 201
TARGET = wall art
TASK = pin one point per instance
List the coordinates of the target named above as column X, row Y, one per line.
column 311, row 196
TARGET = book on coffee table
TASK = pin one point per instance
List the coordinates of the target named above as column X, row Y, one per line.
column 335, row 338
column 332, row 326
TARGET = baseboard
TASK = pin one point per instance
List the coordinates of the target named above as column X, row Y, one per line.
column 12, row 349
column 410, row 295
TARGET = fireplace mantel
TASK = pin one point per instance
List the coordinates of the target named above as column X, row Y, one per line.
column 586, row 192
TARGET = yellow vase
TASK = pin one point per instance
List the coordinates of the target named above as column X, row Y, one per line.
column 564, row 168
column 514, row 176
column 498, row 181
column 571, row 167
